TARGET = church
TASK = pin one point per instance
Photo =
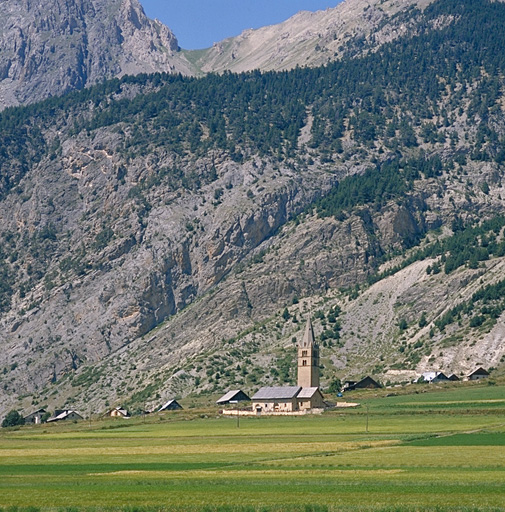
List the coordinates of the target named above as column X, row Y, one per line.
column 306, row 395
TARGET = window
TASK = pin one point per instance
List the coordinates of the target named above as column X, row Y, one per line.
column 304, row 362
column 304, row 353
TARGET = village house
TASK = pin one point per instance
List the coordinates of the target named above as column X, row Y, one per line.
column 303, row 397
column 118, row 412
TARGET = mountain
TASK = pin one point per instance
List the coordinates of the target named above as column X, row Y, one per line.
column 50, row 47
column 313, row 38
column 165, row 234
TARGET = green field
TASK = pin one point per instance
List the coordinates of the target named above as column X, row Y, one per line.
column 429, row 451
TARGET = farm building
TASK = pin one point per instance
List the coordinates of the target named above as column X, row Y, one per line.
column 65, row 415
column 454, row 377
column 365, row 383
column 232, row 397
column 478, row 374
column 35, row 417
column 171, row 405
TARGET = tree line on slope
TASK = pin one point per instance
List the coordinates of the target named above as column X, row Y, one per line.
column 393, row 95
column 384, row 94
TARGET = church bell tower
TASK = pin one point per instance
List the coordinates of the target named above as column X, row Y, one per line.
column 308, row 359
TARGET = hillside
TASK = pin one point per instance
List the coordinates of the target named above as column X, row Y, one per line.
column 155, row 228
column 48, row 48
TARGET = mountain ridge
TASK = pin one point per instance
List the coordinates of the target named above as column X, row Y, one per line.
column 309, row 38
column 87, row 41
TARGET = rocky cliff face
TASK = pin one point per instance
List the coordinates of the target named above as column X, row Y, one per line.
column 50, row 47
column 94, row 337
column 138, row 294
column 147, row 268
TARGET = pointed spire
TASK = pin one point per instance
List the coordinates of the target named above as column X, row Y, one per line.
column 308, row 337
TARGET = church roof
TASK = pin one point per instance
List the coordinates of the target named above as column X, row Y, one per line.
column 277, row 393
column 308, row 338
column 307, row 392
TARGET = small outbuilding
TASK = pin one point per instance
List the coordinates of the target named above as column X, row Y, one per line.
column 478, row 374
column 454, row 377
column 232, row 397
column 171, row 405
column 35, row 417
column 349, row 385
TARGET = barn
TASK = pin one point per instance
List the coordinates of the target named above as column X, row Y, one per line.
column 35, row 417
column 232, row 397
column 365, row 383
column 478, row 374
column 65, row 415
column 171, row 405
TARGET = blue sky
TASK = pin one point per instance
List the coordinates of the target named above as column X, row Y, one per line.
column 200, row 23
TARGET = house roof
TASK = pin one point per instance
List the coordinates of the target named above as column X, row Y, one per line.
column 368, row 380
column 479, row 371
column 307, row 392
column 40, row 411
column 64, row 415
column 308, row 338
column 429, row 376
column 235, row 395
column 277, row 393
column 168, row 404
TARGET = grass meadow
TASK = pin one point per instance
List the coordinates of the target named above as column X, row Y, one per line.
column 441, row 450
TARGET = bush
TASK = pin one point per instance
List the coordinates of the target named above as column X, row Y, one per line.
column 335, row 386
column 12, row 419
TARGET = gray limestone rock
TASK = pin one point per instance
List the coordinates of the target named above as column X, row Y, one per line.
column 50, row 47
